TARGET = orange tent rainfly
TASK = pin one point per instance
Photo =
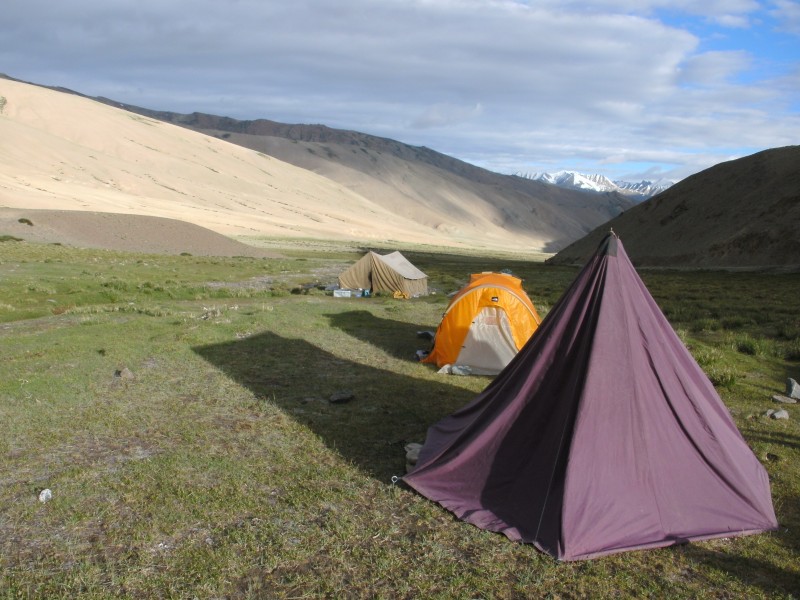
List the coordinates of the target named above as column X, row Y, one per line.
column 485, row 324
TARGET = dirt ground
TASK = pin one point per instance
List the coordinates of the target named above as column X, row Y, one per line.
column 113, row 231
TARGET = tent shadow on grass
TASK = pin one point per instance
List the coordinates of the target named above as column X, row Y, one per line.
column 387, row 410
column 750, row 571
column 776, row 437
column 398, row 338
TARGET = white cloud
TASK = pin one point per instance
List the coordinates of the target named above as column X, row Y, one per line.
column 714, row 68
column 732, row 13
column 496, row 82
column 787, row 13
column 441, row 115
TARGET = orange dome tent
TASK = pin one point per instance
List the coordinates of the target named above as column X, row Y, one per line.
column 485, row 324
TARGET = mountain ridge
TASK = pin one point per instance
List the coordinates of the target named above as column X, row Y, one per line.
column 433, row 196
column 68, row 152
column 739, row 214
column 520, row 204
column 639, row 190
column 263, row 178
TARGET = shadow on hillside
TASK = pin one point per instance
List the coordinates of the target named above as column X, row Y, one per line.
column 397, row 338
column 386, row 412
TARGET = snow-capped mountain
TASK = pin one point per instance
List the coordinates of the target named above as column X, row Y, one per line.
column 600, row 183
column 645, row 188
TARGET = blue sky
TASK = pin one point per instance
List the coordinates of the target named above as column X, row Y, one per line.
column 630, row 89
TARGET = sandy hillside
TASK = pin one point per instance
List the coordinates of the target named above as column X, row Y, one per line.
column 432, row 189
column 67, row 152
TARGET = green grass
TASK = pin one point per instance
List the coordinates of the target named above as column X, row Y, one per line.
column 220, row 469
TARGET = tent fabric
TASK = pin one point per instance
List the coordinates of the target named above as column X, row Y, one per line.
column 485, row 324
column 385, row 273
column 602, row 435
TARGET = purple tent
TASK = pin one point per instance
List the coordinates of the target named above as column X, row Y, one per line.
column 602, row 435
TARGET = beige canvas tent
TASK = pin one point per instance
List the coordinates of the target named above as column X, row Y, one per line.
column 385, row 273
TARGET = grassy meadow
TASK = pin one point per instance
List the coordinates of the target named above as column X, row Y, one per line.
column 178, row 409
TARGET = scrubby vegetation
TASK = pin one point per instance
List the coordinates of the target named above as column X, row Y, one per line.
column 177, row 408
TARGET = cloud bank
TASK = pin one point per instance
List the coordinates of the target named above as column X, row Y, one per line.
column 622, row 87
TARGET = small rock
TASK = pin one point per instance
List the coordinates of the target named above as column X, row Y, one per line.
column 412, row 452
column 123, row 373
column 45, row 495
column 412, row 455
column 445, row 370
column 461, row 370
column 341, row 397
column 780, row 414
column 769, row 412
column 783, row 399
column 792, row 389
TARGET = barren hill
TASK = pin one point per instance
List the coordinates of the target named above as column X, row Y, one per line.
column 417, row 183
column 738, row 214
column 66, row 152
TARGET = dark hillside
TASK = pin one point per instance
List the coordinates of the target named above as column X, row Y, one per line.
column 743, row 213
